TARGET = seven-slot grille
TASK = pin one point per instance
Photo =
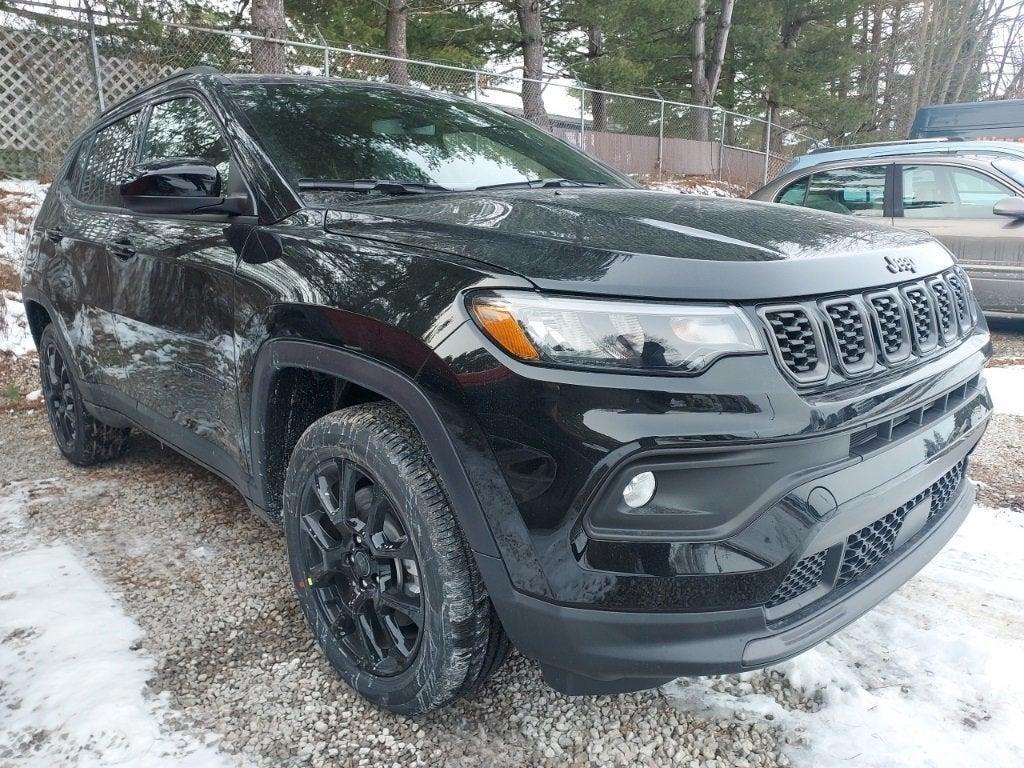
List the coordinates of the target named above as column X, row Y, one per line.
column 869, row 546
column 866, row 331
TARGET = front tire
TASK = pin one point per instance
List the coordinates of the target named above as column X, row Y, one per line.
column 80, row 437
column 381, row 568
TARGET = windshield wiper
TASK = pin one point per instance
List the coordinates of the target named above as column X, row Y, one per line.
column 369, row 185
column 541, row 183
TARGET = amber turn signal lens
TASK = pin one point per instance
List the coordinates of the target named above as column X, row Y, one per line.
column 502, row 326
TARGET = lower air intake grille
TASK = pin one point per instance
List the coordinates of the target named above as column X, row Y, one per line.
column 866, row 547
column 942, row 490
column 870, row 545
column 805, row 575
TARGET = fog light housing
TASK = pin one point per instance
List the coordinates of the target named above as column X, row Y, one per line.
column 640, row 490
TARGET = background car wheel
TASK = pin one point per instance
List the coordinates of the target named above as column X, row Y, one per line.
column 81, row 438
column 382, row 570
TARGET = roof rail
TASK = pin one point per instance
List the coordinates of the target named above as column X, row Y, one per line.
column 200, row 70
column 819, row 150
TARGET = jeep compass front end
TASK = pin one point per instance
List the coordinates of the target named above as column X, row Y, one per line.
column 494, row 392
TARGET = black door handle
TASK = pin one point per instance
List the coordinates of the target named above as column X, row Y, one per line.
column 122, row 249
column 55, row 234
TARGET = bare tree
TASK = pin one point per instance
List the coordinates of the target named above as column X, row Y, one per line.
column 395, row 26
column 529, row 14
column 268, row 20
column 707, row 69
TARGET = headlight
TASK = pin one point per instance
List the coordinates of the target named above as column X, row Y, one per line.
column 625, row 335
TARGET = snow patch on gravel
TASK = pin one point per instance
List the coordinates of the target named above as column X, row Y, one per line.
column 929, row 678
column 22, row 197
column 1006, row 385
column 16, row 336
column 73, row 677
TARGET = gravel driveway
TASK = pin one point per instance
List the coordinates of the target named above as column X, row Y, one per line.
column 208, row 585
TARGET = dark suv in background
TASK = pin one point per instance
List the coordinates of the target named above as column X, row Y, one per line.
column 494, row 392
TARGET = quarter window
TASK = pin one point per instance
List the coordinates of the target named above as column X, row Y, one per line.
column 853, row 191
column 795, row 193
column 182, row 128
column 946, row 192
column 110, row 163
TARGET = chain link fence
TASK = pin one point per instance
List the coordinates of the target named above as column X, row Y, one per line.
column 56, row 74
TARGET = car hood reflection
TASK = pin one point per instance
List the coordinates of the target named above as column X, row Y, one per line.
column 635, row 242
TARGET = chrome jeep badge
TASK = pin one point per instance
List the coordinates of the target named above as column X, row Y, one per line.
column 900, row 264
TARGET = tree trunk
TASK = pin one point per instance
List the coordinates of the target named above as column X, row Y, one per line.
column 705, row 72
column 268, row 20
column 395, row 41
column 529, row 12
column 887, row 116
column 599, row 101
column 917, row 78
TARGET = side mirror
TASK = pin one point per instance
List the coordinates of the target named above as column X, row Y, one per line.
column 1010, row 206
column 179, row 186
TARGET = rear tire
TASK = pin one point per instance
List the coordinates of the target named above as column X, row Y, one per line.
column 80, row 437
column 382, row 570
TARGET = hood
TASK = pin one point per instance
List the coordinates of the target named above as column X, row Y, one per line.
column 635, row 243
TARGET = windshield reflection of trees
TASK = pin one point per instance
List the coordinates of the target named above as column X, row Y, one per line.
column 318, row 130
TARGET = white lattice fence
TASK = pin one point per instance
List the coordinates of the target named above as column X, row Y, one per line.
column 47, row 96
column 124, row 76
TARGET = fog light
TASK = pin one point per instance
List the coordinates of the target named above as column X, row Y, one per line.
column 639, row 490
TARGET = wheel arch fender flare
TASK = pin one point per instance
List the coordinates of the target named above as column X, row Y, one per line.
column 276, row 355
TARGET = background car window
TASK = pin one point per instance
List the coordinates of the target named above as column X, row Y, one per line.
column 795, row 193
column 182, row 128
column 853, row 191
column 945, row 192
column 1012, row 167
column 110, row 163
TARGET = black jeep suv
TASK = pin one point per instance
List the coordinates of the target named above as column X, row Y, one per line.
column 496, row 394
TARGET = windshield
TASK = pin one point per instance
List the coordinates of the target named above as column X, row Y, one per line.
column 335, row 131
column 1011, row 167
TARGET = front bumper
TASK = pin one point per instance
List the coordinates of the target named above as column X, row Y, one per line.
column 606, row 606
column 585, row 651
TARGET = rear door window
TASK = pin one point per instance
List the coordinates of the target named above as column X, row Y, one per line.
column 851, row 191
column 948, row 192
column 110, row 163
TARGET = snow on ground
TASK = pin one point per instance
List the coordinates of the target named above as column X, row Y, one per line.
column 72, row 677
column 931, row 677
column 694, row 185
column 1006, row 385
column 15, row 336
column 19, row 201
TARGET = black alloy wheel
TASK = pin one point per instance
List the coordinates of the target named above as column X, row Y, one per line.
column 361, row 565
column 382, row 571
column 80, row 437
column 59, row 392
